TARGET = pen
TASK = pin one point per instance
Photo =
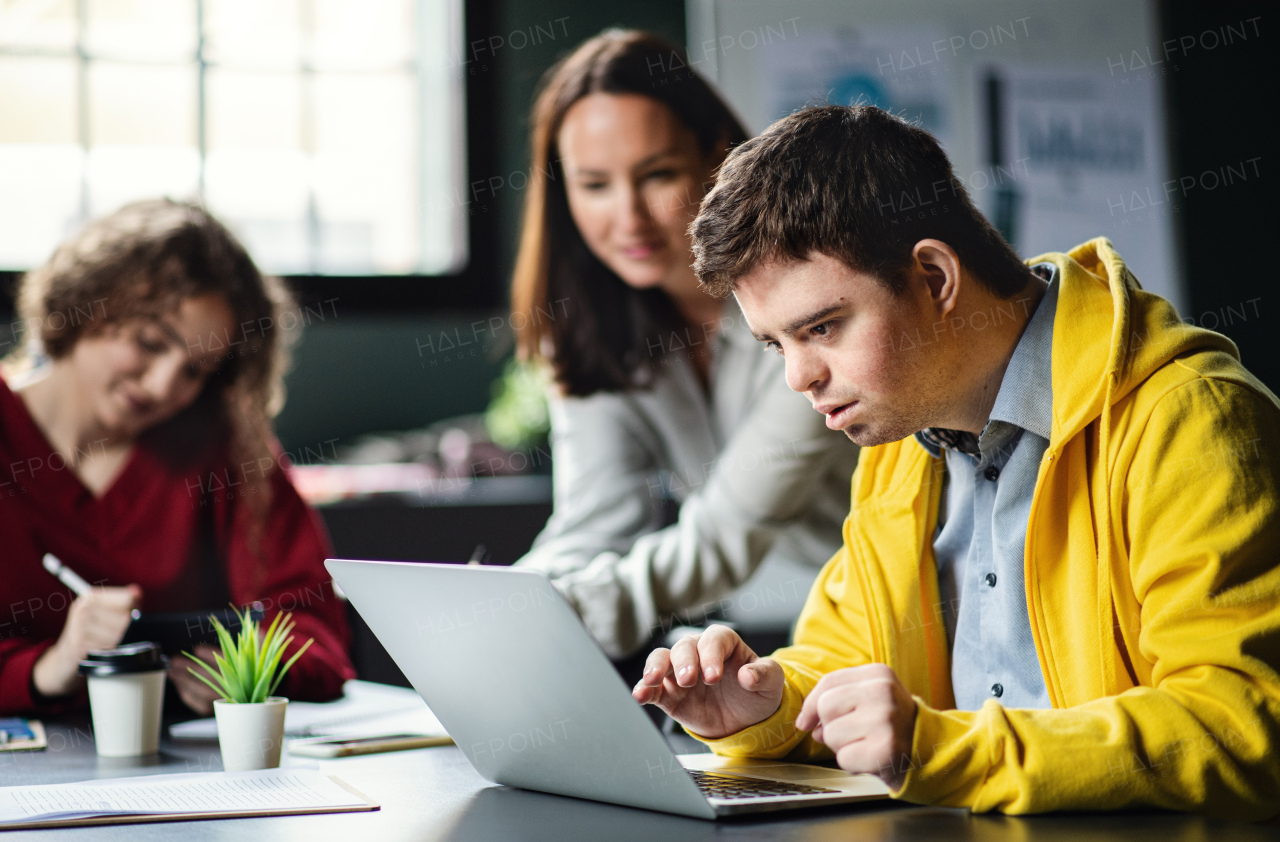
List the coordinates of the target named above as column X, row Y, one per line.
column 479, row 555
column 71, row 578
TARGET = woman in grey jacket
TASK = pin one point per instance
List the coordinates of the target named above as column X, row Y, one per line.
column 660, row 390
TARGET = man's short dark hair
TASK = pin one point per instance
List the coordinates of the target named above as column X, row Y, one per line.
column 855, row 183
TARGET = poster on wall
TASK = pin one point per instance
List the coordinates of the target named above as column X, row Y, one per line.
column 1079, row 156
column 888, row 66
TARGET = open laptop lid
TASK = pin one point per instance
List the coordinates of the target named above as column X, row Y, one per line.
column 506, row 665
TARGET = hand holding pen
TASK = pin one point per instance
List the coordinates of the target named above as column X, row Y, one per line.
column 97, row 619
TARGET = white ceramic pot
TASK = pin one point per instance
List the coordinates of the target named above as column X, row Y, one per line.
column 250, row 735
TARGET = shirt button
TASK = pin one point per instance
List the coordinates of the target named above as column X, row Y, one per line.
column 990, row 580
column 997, row 690
column 992, row 473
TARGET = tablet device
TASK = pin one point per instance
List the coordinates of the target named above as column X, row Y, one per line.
column 182, row 631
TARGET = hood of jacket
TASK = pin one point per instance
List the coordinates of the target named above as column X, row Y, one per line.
column 1145, row 333
column 1101, row 297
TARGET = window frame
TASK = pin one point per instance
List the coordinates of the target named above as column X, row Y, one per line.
column 477, row 284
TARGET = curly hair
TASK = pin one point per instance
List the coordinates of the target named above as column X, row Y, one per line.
column 140, row 262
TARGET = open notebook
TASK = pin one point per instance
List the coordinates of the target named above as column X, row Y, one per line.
column 183, row 797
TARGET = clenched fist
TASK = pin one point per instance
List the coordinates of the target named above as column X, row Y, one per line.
column 866, row 717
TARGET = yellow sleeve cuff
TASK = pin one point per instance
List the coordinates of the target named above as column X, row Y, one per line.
column 951, row 757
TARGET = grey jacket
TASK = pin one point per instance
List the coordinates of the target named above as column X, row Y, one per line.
column 757, row 474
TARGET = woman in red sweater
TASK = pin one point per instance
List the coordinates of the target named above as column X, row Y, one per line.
column 136, row 446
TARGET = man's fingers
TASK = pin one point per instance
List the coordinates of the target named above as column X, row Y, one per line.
column 824, row 703
column 684, row 661
column 837, row 732
column 809, row 715
column 762, row 676
column 646, row 694
column 807, row 718
column 665, row 696
column 656, row 667
column 838, row 702
column 717, row 645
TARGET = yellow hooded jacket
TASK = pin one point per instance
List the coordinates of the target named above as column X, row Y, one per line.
column 1152, row 582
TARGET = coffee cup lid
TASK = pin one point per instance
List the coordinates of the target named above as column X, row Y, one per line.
column 132, row 657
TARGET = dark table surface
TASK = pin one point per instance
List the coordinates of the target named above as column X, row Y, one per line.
column 434, row 794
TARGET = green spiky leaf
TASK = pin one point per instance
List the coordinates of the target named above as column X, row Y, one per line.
column 248, row 669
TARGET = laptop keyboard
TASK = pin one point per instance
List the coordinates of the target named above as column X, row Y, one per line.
column 716, row 785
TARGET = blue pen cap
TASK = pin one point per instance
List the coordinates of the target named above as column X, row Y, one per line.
column 144, row 656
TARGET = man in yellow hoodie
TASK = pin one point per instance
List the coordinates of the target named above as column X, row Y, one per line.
column 1060, row 581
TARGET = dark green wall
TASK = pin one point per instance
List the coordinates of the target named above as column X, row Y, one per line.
column 573, row 21
column 356, row 374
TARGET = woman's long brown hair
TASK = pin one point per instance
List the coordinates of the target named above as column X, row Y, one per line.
column 567, row 306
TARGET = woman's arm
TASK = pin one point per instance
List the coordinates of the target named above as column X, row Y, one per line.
column 287, row 574
column 602, row 547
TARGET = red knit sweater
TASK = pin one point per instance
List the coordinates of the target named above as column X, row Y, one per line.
column 174, row 522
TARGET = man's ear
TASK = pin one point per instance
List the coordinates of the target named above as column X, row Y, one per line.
column 939, row 265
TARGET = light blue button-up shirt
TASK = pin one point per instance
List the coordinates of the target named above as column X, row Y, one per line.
column 981, row 546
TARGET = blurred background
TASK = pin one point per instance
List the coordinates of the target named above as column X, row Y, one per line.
column 375, row 154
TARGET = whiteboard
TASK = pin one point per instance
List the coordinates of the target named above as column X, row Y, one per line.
column 932, row 61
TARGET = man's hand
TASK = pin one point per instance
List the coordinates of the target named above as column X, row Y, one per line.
column 97, row 620
column 195, row 693
column 866, row 717
column 712, row 683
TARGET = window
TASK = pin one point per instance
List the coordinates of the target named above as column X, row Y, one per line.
column 328, row 133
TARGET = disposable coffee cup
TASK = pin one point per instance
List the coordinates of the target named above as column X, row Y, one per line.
column 126, row 696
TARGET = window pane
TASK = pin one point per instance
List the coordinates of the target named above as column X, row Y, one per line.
column 350, row 35
column 138, row 104
column 253, row 33
column 142, row 130
column 263, row 195
column 40, row 184
column 443, row 155
column 366, row 172
column 142, row 30
column 333, row 130
column 40, row 24
column 257, row 175
column 254, row 110
column 37, row 100
column 119, row 174
column 40, row 160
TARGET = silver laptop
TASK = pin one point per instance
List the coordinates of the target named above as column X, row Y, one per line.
column 531, row 700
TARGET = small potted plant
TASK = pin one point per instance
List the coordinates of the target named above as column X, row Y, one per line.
column 249, row 668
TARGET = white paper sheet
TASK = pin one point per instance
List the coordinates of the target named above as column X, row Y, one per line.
column 365, row 709
column 896, row 67
column 1086, row 157
column 265, row 790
